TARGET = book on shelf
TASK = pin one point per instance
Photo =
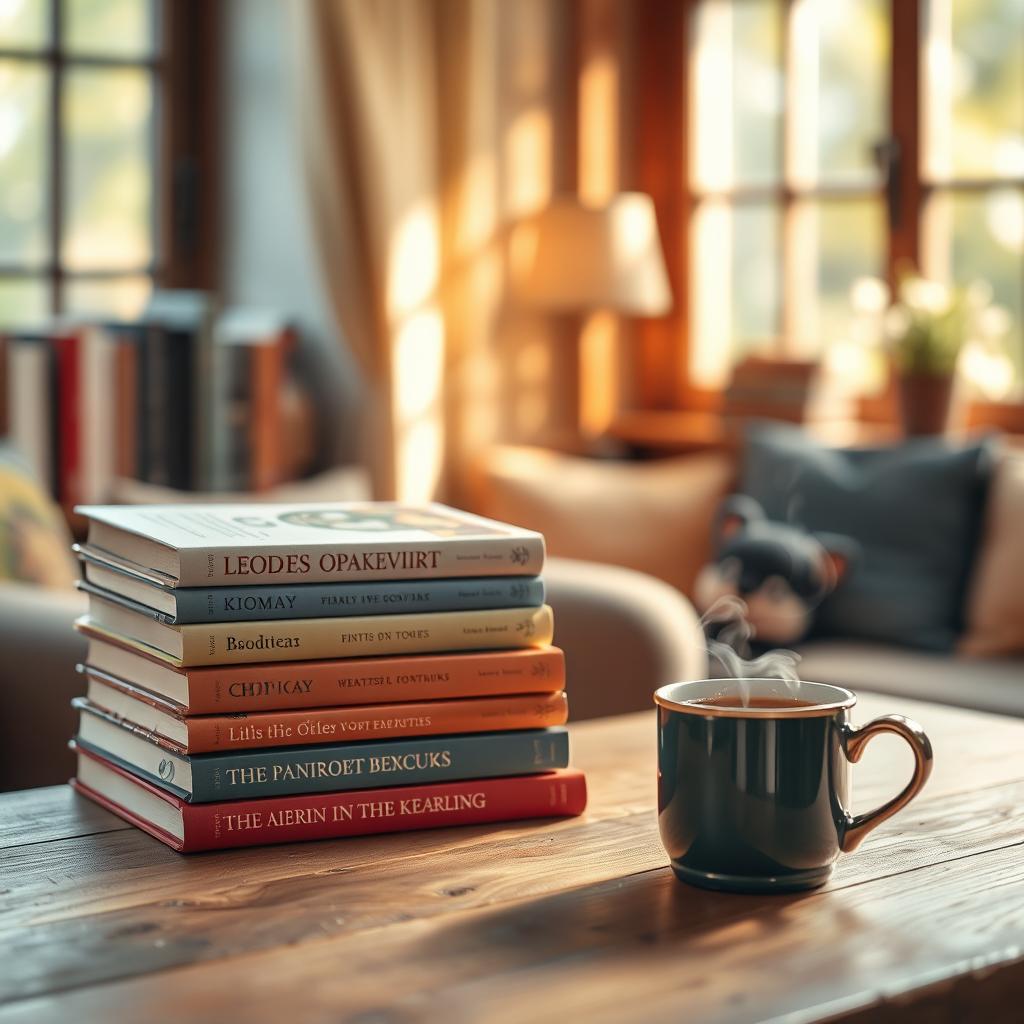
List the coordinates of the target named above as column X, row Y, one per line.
column 230, row 689
column 250, row 347
column 31, row 374
column 190, row 828
column 217, row 545
column 196, row 734
column 283, row 771
column 187, row 605
column 178, row 387
column 216, row 643
column 183, row 396
column 58, row 412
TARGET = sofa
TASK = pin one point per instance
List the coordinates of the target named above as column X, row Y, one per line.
column 657, row 516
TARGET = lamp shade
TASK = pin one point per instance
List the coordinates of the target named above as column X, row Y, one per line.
column 573, row 257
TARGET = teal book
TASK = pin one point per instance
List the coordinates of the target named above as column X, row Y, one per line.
column 191, row 605
column 327, row 768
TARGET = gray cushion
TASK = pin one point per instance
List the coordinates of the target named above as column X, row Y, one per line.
column 914, row 508
column 984, row 684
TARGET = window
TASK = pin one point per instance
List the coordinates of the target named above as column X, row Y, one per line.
column 972, row 216
column 788, row 102
column 80, row 84
column 815, row 141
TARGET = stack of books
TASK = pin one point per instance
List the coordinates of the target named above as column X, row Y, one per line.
column 261, row 674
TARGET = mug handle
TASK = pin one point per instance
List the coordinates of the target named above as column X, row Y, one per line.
column 858, row 826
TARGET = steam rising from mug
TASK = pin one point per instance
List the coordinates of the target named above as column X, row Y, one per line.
column 732, row 642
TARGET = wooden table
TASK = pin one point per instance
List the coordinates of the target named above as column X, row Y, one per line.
column 576, row 920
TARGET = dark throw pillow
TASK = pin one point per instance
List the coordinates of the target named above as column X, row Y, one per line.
column 915, row 509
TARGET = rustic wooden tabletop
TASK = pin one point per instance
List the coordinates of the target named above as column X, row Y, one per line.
column 571, row 920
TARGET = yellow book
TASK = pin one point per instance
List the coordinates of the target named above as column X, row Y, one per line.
column 227, row 643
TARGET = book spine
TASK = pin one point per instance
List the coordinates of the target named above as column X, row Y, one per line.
column 153, row 418
column 352, row 766
column 180, row 355
column 338, row 815
column 300, row 639
column 29, row 404
column 341, row 600
column 69, row 418
column 126, row 390
column 399, row 560
column 377, row 681
column 98, row 411
column 266, row 382
column 374, row 722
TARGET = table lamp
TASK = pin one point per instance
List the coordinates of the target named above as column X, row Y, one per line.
column 571, row 258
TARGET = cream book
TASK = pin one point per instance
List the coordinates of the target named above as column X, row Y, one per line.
column 228, row 643
column 243, row 545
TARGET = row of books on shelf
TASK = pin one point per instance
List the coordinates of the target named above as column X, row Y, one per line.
column 184, row 397
column 260, row 674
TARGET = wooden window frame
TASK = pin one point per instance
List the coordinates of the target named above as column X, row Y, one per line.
column 183, row 67
column 662, row 140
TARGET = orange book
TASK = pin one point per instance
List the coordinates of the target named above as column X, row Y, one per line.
column 282, row 685
column 160, row 721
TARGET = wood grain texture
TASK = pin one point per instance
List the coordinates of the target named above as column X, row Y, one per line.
column 528, row 921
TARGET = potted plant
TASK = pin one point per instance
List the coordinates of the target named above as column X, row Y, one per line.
column 924, row 332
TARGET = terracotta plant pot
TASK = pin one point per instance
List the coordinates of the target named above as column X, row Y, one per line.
column 924, row 402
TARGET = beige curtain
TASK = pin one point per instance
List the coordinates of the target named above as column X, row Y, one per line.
column 428, row 126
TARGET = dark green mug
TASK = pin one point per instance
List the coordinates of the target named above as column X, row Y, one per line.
column 753, row 780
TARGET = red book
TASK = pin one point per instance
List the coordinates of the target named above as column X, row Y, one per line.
column 189, row 828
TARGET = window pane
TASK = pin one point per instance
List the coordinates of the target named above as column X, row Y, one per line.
column 975, row 94
column 24, row 23
column 108, row 192
column 839, row 107
column 122, row 297
column 24, row 102
column 122, row 28
column 22, row 300
column 980, row 236
column 737, row 84
column 735, row 286
column 833, row 243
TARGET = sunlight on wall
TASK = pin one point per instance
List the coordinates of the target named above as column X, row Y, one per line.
column 477, row 213
column 419, row 363
column 528, row 159
column 414, row 260
column 599, row 118
column 599, row 396
column 599, row 178
column 418, row 353
column 420, row 453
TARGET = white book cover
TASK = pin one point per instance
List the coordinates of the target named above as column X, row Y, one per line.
column 198, row 545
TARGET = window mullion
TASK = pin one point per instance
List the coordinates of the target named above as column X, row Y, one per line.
column 56, row 157
column 905, row 98
column 789, row 228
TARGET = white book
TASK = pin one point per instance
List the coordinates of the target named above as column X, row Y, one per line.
column 30, row 406
column 242, row 545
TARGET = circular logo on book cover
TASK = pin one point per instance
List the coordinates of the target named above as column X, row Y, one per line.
column 166, row 769
column 432, row 522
